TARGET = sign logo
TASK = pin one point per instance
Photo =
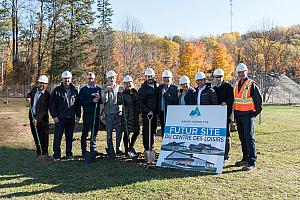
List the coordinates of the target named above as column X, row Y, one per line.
column 195, row 113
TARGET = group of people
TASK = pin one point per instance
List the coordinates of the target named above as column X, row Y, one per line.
column 123, row 104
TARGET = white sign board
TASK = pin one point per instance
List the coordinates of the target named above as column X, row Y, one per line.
column 194, row 138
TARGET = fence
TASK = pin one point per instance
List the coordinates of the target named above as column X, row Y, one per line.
column 21, row 91
column 281, row 95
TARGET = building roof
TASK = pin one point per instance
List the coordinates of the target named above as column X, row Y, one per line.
column 204, row 146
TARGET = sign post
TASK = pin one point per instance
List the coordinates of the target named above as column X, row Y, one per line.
column 194, row 138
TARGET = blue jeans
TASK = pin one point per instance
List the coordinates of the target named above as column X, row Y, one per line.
column 67, row 125
column 88, row 121
column 245, row 126
column 113, row 121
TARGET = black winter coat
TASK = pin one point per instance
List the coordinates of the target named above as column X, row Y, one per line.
column 130, row 110
column 225, row 94
column 86, row 99
column 61, row 107
column 171, row 96
column 188, row 97
column 148, row 98
column 42, row 106
column 208, row 96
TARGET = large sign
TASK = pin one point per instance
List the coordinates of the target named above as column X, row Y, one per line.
column 194, row 138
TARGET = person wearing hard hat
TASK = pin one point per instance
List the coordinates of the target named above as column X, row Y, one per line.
column 89, row 96
column 224, row 91
column 130, row 115
column 204, row 94
column 247, row 105
column 65, row 111
column 186, row 90
column 148, row 103
column 38, row 99
column 113, row 113
column 167, row 95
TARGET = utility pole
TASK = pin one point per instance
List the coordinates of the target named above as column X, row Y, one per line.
column 231, row 14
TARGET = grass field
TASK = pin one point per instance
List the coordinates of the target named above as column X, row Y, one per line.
column 277, row 174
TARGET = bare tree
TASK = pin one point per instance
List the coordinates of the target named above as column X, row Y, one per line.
column 130, row 42
column 265, row 47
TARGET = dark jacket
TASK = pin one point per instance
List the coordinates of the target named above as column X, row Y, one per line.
column 225, row 94
column 61, row 106
column 148, row 98
column 130, row 110
column 257, row 99
column 171, row 96
column 188, row 96
column 208, row 96
column 42, row 106
column 86, row 99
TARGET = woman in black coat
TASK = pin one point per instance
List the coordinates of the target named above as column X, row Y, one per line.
column 130, row 112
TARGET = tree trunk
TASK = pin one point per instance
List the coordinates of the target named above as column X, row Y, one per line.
column 17, row 32
column 41, row 18
column 13, row 30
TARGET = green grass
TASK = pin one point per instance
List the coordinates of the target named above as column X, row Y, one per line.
column 24, row 177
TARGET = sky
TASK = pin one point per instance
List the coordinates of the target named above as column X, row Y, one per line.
column 196, row 18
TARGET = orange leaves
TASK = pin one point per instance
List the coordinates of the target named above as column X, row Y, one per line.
column 222, row 60
column 192, row 59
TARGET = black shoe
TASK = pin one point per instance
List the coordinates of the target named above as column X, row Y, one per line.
column 110, row 155
column 131, row 149
column 56, row 159
column 132, row 155
column 248, row 168
column 119, row 153
column 83, row 154
column 69, row 158
column 241, row 163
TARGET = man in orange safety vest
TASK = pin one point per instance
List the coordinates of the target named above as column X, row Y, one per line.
column 247, row 105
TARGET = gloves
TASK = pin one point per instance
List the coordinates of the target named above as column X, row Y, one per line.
column 34, row 121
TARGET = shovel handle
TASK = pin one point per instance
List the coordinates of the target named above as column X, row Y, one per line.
column 150, row 116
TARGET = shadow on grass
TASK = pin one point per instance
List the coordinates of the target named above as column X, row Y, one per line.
column 271, row 132
column 74, row 176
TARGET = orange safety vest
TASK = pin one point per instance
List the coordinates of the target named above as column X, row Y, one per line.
column 242, row 100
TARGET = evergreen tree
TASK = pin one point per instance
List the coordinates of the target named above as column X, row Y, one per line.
column 104, row 36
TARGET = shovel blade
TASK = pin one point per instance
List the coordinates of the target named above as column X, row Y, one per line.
column 152, row 156
column 148, row 157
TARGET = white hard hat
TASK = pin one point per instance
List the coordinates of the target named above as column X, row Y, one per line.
column 219, row 72
column 167, row 74
column 90, row 75
column 199, row 75
column 43, row 79
column 66, row 74
column 184, row 80
column 149, row 72
column 110, row 73
column 241, row 67
column 127, row 78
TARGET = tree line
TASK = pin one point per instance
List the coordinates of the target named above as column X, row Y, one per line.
column 50, row 36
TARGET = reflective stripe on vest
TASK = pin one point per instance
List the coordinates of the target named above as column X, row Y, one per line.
column 242, row 99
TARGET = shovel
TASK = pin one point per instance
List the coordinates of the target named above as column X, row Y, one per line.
column 36, row 132
column 91, row 156
column 149, row 155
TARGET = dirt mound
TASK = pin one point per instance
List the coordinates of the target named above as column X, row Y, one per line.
column 285, row 91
